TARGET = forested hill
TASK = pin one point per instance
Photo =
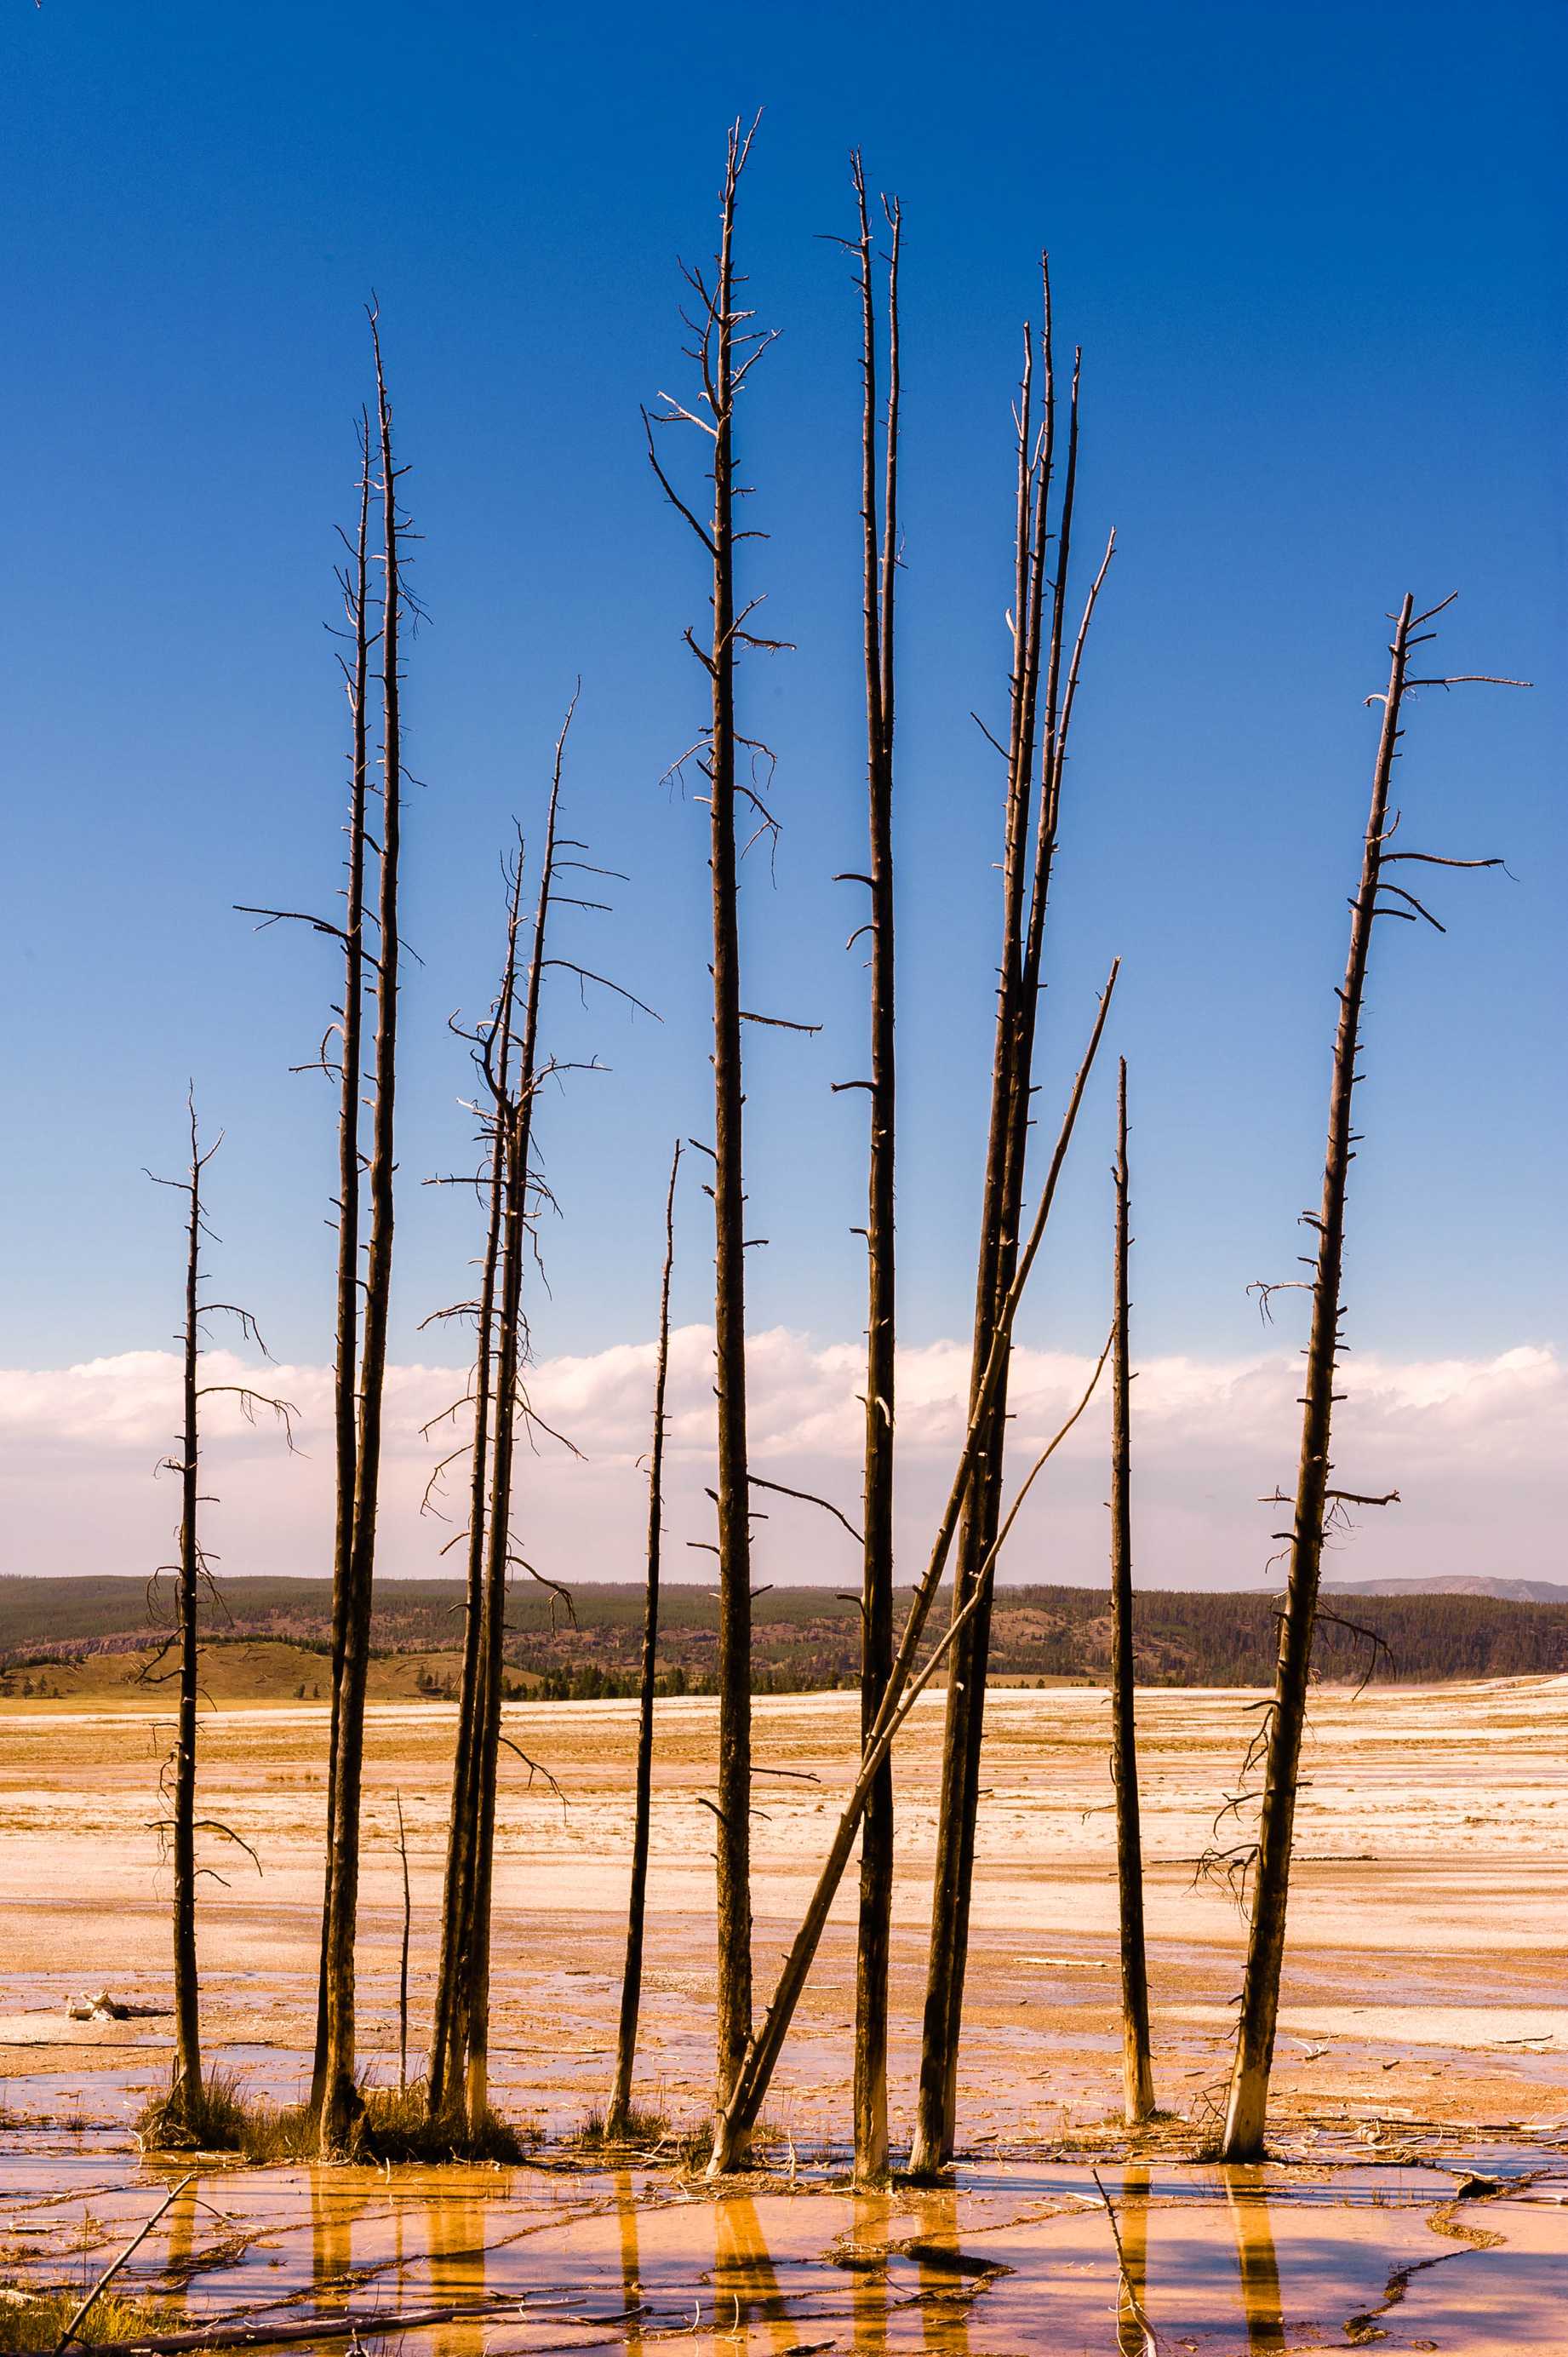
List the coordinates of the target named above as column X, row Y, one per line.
column 805, row 1637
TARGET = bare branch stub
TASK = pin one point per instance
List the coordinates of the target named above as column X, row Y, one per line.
column 1321, row 1508
column 725, row 346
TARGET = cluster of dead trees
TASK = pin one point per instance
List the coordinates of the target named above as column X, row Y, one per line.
column 1052, row 604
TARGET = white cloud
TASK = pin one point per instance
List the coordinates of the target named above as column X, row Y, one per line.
column 1474, row 1447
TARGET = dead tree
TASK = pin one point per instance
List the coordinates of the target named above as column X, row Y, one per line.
column 879, row 522
column 186, row 1986
column 448, row 2041
column 905, row 1684
column 184, row 2109
column 1279, row 1740
column 513, row 1098
column 1043, row 684
column 403, row 1957
column 507, row 1054
column 350, row 1076
column 340, row 2105
column 617, row 2114
column 1137, row 2073
column 725, row 348
column 362, row 971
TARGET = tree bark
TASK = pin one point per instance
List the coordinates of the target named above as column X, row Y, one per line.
column 735, row 2123
column 187, row 1983
column 403, row 1959
column 1247, row 2110
column 449, row 2037
column 619, row 2108
column 880, row 559
column 341, row 2107
column 733, row 1822
column 514, row 1138
column 726, row 348
column 346, row 1364
column 1137, row 2071
column 1033, row 718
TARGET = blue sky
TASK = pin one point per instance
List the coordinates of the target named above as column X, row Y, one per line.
column 1315, row 261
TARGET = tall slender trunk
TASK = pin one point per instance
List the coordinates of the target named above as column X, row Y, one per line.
column 448, row 2038
column 735, row 2124
column 880, row 560
column 346, row 1365
column 340, row 2105
column 734, row 1822
column 726, row 348
column 619, row 2109
column 1247, row 2110
column 403, row 1957
column 186, row 1985
column 1137, row 2073
column 1041, row 713
column 514, row 1139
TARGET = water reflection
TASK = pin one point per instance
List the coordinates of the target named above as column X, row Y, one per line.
column 1133, row 2226
column 1016, row 2257
column 948, row 2277
column 630, row 2272
column 744, row 2284
column 1259, row 2264
column 870, row 2233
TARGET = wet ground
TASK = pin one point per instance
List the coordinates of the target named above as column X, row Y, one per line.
column 1424, row 2037
column 1018, row 2257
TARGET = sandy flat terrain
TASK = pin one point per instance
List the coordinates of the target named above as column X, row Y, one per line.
column 1424, row 1981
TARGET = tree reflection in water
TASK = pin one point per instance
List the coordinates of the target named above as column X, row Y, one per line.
column 1260, row 2267
column 745, row 2285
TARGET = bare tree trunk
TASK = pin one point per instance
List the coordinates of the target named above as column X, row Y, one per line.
column 1247, row 2111
column 514, row 1138
column 725, row 351
column 880, row 557
column 619, row 2109
column 734, row 2026
column 186, row 1985
column 346, row 1366
column 1040, row 711
column 1137, row 2071
column 402, row 1961
column 341, row 2105
column 737, row 2120
column 186, row 2106
column 448, row 2038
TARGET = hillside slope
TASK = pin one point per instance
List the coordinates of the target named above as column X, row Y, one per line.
column 805, row 1637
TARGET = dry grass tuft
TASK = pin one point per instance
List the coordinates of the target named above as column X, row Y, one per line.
column 395, row 2125
column 31, row 2320
column 641, row 2127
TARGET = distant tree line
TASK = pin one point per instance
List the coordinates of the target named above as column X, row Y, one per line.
column 804, row 1640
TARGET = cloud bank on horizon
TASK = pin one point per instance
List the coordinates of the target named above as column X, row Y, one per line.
column 1472, row 1445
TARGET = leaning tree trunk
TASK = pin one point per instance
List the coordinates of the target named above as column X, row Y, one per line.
column 735, row 2124
column 1137, row 2071
column 1040, row 712
column 1247, row 2111
column 186, row 1986
column 341, row 2105
column 618, row 2113
column 880, row 560
column 346, row 1362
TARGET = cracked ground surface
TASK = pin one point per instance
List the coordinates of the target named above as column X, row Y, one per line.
column 1425, row 2034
